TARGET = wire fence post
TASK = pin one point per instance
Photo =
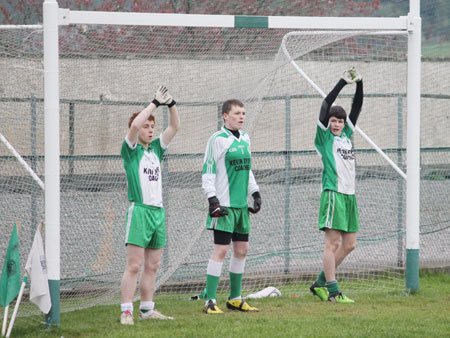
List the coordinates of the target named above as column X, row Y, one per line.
column 33, row 164
column 165, row 190
column 400, row 181
column 219, row 116
column 287, row 182
column 71, row 137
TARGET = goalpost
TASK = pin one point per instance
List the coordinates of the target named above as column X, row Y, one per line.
column 286, row 165
column 54, row 17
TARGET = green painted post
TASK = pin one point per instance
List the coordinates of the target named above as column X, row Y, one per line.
column 412, row 270
column 219, row 116
column 400, row 248
column 53, row 317
column 244, row 21
column 165, row 191
column 71, row 137
column 287, row 180
column 34, row 192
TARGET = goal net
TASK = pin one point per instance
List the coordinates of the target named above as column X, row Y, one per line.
column 108, row 72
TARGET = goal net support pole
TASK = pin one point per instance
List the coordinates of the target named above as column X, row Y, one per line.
column 52, row 152
column 413, row 147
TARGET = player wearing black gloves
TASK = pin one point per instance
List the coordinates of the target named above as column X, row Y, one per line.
column 227, row 179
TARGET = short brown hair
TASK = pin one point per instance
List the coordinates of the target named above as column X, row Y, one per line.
column 130, row 121
column 338, row 112
column 226, row 107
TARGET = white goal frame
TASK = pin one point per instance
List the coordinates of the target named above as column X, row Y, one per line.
column 55, row 17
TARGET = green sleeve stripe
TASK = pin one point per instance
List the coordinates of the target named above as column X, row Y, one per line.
column 244, row 21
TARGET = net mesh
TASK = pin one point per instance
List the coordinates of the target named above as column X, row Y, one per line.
column 109, row 72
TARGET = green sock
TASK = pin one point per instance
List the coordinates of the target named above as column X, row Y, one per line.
column 235, row 284
column 204, row 294
column 332, row 287
column 212, row 282
column 321, row 280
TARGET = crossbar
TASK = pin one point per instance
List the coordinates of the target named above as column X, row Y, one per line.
column 68, row 17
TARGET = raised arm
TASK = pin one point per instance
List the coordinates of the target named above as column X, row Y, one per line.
column 161, row 97
column 357, row 103
column 174, row 123
column 324, row 114
column 139, row 121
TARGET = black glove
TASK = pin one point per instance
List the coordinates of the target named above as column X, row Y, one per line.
column 215, row 210
column 256, row 203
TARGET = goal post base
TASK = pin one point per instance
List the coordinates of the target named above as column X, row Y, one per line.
column 53, row 317
column 412, row 270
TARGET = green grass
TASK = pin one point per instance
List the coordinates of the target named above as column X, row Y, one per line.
column 441, row 50
column 424, row 314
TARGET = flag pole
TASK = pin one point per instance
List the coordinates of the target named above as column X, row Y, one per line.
column 5, row 319
column 19, row 297
column 10, row 277
column 16, row 308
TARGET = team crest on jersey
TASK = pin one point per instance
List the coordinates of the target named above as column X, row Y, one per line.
column 232, row 150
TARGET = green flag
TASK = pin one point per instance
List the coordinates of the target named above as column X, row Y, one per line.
column 10, row 280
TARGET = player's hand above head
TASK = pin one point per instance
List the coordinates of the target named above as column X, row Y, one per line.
column 215, row 209
column 163, row 97
column 256, row 203
column 351, row 76
column 160, row 95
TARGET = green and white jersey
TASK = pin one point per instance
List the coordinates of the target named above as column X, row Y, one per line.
column 338, row 158
column 143, row 169
column 227, row 168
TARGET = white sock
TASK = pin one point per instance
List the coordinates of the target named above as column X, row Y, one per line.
column 213, row 300
column 237, row 265
column 126, row 307
column 147, row 305
column 240, row 297
column 214, row 268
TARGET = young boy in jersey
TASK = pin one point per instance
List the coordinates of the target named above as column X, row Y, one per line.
column 227, row 179
column 145, row 221
column 338, row 214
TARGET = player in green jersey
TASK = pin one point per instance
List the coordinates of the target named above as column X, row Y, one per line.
column 227, row 179
column 338, row 214
column 145, row 222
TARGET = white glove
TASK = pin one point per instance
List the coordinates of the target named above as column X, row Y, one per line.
column 162, row 96
column 351, row 76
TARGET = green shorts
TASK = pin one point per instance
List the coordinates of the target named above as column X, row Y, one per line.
column 237, row 221
column 338, row 211
column 146, row 226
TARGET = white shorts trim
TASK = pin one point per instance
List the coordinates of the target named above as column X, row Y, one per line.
column 129, row 216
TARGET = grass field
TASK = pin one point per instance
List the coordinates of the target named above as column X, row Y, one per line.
column 440, row 50
column 395, row 314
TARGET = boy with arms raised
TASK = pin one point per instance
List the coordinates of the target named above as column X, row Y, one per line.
column 145, row 222
column 338, row 214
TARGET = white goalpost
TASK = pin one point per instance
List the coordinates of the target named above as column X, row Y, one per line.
column 54, row 17
column 99, row 67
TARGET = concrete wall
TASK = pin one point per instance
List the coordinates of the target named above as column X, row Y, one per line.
column 100, row 128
